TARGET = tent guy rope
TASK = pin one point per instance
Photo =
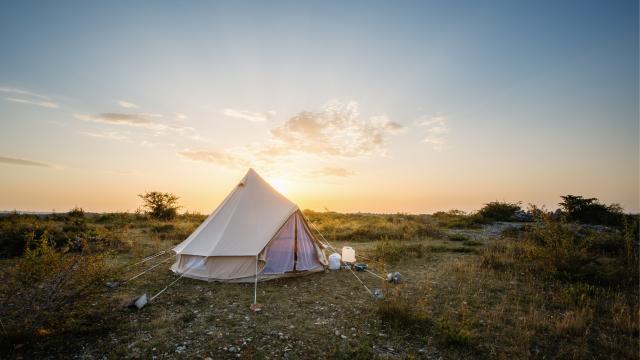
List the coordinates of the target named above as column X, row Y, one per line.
column 149, row 269
column 361, row 282
column 176, row 280
column 150, row 257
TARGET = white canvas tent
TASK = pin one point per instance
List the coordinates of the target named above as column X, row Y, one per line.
column 255, row 231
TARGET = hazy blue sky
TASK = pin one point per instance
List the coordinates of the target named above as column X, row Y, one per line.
column 372, row 106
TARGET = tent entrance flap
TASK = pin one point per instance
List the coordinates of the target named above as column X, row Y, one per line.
column 306, row 252
column 292, row 249
column 279, row 258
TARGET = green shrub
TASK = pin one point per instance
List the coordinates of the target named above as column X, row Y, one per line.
column 575, row 253
column 499, row 211
column 46, row 287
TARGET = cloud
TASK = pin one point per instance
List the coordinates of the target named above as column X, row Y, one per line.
column 23, row 162
column 41, row 103
column 333, row 171
column 146, row 143
column 108, row 135
column 437, row 131
column 11, row 90
column 140, row 120
column 215, row 157
column 28, row 97
column 152, row 127
column 127, row 105
column 336, row 130
column 249, row 115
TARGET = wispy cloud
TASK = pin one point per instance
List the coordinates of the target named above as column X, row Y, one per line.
column 12, row 90
column 22, row 162
column 143, row 120
column 41, row 103
column 139, row 120
column 333, row 171
column 215, row 157
column 27, row 97
column 249, row 115
column 127, row 105
column 108, row 135
column 151, row 127
column 437, row 131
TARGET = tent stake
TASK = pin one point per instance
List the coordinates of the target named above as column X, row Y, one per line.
column 255, row 286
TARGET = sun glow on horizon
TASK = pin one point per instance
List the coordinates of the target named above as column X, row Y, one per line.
column 283, row 186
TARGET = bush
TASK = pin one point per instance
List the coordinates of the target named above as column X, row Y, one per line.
column 578, row 253
column 46, row 287
column 499, row 211
column 591, row 211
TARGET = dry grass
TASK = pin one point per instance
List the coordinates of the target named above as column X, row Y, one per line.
column 492, row 302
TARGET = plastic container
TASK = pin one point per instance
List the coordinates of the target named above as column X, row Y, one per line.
column 334, row 261
column 348, row 255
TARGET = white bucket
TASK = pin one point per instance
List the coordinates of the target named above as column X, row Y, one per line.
column 334, row 261
column 348, row 254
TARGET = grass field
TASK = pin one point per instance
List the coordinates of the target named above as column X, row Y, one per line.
column 486, row 291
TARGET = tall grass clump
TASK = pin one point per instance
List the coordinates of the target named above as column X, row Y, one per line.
column 456, row 219
column 393, row 251
column 576, row 253
column 403, row 312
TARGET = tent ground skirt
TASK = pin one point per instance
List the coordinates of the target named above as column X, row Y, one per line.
column 227, row 268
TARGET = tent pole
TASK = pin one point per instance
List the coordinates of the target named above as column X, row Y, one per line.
column 255, row 287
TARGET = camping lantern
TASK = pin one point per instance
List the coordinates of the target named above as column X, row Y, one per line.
column 334, row 261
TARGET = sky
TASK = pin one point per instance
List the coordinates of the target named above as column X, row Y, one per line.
column 372, row 106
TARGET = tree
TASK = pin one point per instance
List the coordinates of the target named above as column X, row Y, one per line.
column 591, row 211
column 161, row 206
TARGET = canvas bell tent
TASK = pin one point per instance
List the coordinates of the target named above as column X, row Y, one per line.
column 255, row 231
